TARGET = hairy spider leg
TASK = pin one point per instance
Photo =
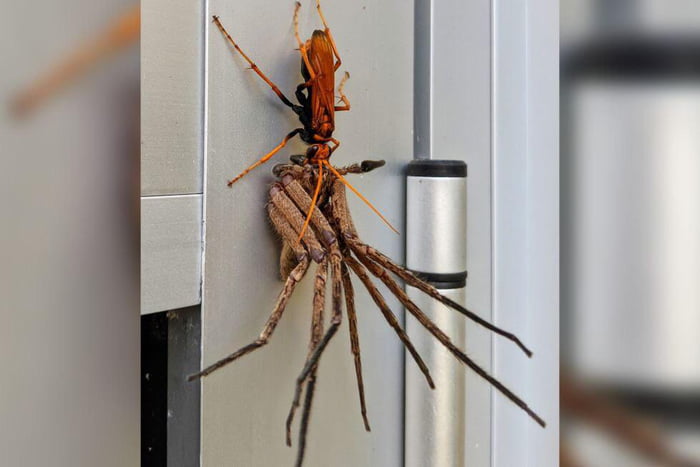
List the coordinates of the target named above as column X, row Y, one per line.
column 346, row 183
column 267, row 156
column 381, row 274
column 431, row 291
column 319, row 304
column 252, row 64
column 291, row 282
column 301, row 198
column 354, row 340
column 348, row 232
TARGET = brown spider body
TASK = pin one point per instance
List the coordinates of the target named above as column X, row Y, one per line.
column 332, row 243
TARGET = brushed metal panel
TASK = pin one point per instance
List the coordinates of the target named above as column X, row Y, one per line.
column 172, row 97
column 171, row 252
column 526, row 227
column 244, row 406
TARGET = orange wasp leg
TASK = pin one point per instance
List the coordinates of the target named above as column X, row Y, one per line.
column 252, row 64
column 313, row 200
column 342, row 96
column 302, row 46
column 328, row 33
column 267, row 156
column 354, row 190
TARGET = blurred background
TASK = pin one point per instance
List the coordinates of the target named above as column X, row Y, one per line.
column 630, row 214
column 69, row 249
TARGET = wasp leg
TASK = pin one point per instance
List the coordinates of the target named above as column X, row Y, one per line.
column 354, row 190
column 328, row 33
column 253, row 66
column 267, row 156
column 302, row 46
column 343, row 98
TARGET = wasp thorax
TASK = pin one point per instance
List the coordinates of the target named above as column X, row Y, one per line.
column 318, row 152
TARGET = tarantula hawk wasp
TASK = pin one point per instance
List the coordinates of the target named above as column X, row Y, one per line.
column 308, row 209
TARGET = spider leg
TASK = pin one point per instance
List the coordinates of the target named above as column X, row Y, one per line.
column 354, row 339
column 321, row 224
column 253, row 66
column 319, row 303
column 342, row 215
column 315, row 354
column 354, row 190
column 423, row 319
column 363, row 167
column 316, row 331
column 291, row 282
column 389, row 316
column 410, row 278
column 306, row 415
column 301, row 198
column 289, row 229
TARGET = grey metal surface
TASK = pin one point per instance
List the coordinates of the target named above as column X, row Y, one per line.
column 453, row 97
column 172, row 89
column 184, row 355
column 435, row 419
column 436, row 224
column 244, row 406
column 171, row 252
column 526, row 226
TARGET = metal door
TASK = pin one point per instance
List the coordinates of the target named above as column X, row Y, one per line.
column 481, row 90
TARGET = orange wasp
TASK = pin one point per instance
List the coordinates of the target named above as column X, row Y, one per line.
column 316, row 109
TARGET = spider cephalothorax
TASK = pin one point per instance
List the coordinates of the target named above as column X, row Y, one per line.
column 331, row 242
